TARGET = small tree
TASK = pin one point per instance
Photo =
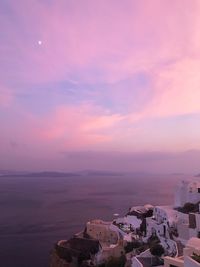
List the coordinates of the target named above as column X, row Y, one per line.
column 157, row 250
column 143, row 227
column 153, row 240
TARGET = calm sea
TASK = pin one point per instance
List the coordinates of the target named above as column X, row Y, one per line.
column 36, row 212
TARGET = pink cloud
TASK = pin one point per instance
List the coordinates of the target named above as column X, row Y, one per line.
column 78, row 126
column 6, row 97
column 181, row 94
column 176, row 91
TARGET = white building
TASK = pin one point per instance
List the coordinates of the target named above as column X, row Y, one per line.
column 188, row 226
column 164, row 219
column 194, row 225
column 183, row 227
column 187, row 191
column 165, row 214
column 187, row 260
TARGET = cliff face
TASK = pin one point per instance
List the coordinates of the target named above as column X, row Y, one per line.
column 55, row 261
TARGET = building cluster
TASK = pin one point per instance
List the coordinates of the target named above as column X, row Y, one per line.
column 146, row 236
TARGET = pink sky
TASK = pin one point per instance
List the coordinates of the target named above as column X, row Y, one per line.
column 111, row 77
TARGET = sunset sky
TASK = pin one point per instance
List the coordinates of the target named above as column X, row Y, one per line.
column 94, row 84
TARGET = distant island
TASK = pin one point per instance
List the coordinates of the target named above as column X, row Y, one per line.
column 7, row 173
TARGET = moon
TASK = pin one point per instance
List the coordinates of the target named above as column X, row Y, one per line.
column 39, row 42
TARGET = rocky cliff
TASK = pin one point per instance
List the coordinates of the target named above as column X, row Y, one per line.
column 56, row 261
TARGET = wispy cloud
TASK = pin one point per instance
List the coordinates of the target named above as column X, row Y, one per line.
column 107, row 74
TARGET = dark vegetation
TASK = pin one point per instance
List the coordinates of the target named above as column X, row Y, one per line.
column 153, row 240
column 79, row 248
column 157, row 250
column 189, row 207
column 132, row 245
column 141, row 216
column 196, row 257
column 63, row 253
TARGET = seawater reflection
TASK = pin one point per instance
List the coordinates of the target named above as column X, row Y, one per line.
column 36, row 212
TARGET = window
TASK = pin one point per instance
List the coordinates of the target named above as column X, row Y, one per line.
column 198, row 190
